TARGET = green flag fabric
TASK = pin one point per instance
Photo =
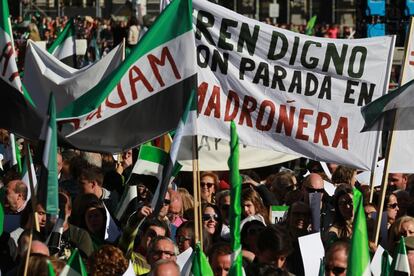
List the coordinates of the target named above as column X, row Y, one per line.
column 48, row 184
column 310, row 25
column 25, row 174
column 235, row 203
column 322, row 268
column 400, row 265
column 359, row 259
column 385, row 264
column 74, row 266
column 200, row 267
column 50, row 268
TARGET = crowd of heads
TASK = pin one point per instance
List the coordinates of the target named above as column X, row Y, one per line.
column 92, row 185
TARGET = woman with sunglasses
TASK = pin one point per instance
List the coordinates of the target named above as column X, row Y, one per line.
column 208, row 185
column 391, row 208
column 344, row 215
column 212, row 221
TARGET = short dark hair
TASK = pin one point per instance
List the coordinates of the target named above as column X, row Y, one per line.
column 219, row 249
column 155, row 222
column 92, row 173
column 276, row 239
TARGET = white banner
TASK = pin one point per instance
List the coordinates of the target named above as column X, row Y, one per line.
column 287, row 91
column 402, row 149
column 214, row 153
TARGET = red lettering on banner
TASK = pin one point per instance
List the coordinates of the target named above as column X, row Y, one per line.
column 202, row 91
column 262, row 111
column 154, row 61
column 214, row 103
column 320, row 128
column 121, row 98
column 97, row 113
column 246, row 110
column 285, row 120
column 341, row 134
column 303, row 124
column 232, row 96
column 6, row 54
column 139, row 76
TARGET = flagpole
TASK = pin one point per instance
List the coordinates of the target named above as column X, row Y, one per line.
column 384, row 185
column 196, row 192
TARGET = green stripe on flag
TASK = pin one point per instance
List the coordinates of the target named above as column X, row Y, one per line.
column 359, row 259
column 280, row 208
column 68, row 31
column 4, row 13
column 152, row 154
column 160, row 33
column 400, row 264
column 235, row 203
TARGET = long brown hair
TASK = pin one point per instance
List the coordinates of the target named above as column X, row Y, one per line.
column 249, row 194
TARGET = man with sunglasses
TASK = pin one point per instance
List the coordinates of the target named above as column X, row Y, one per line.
column 313, row 183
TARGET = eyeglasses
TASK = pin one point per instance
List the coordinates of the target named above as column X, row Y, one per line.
column 207, row 217
column 181, row 239
column 312, row 190
column 163, row 252
column 336, row 270
column 393, row 206
column 208, row 184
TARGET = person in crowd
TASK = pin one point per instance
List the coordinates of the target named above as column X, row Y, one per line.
column 253, row 204
column 188, row 203
column 212, row 221
column 219, row 257
column 161, row 248
column 175, row 209
column 391, row 207
column 107, row 260
column 208, row 183
column 337, row 259
column 274, row 246
column 344, row 174
column 313, row 183
column 223, row 199
column 344, row 214
column 397, row 181
column 133, row 32
column 184, row 237
column 91, row 180
column 72, row 236
column 165, row 267
column 16, row 196
column 282, row 183
column 403, row 226
column 249, row 234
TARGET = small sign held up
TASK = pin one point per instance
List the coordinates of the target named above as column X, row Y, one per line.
column 278, row 213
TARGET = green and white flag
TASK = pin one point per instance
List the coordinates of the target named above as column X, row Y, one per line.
column 359, row 259
column 310, row 25
column 400, row 265
column 200, row 267
column 151, row 161
column 146, row 96
column 64, row 47
column 74, row 266
column 25, row 175
column 48, row 185
column 8, row 63
column 236, row 268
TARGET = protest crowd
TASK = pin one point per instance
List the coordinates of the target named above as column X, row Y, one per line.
column 113, row 217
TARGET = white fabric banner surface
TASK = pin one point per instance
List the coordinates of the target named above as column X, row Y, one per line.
column 402, row 149
column 45, row 73
column 287, row 91
column 214, row 153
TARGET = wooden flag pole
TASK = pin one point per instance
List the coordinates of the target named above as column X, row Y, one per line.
column 196, row 192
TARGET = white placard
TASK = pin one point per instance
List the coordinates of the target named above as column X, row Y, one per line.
column 312, row 251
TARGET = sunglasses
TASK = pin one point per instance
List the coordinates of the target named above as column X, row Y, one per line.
column 312, row 190
column 181, row 239
column 208, row 184
column 167, row 202
column 393, row 206
column 163, row 252
column 336, row 270
column 207, row 217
